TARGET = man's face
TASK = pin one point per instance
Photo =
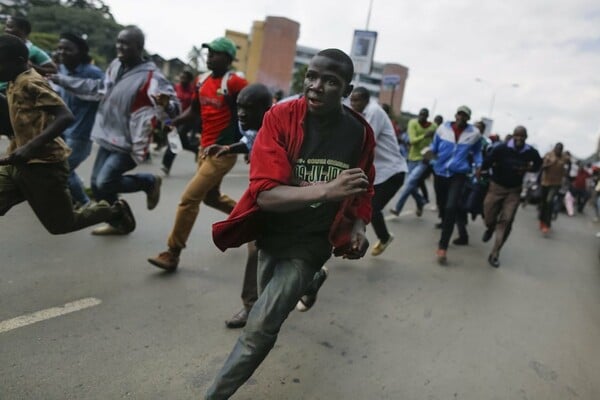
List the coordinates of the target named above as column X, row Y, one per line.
column 461, row 119
column 358, row 102
column 423, row 115
column 68, row 53
column 324, row 85
column 250, row 112
column 185, row 79
column 558, row 149
column 217, row 61
column 128, row 48
column 12, row 29
column 519, row 137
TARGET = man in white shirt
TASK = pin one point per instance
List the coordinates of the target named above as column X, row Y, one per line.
column 390, row 166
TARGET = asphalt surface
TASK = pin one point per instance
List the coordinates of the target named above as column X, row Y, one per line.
column 397, row 326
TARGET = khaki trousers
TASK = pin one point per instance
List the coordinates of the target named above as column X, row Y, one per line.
column 204, row 187
column 499, row 210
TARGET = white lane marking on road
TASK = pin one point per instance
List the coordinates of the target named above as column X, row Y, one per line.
column 48, row 313
column 402, row 214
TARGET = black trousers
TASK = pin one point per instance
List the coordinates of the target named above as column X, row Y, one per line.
column 188, row 142
column 383, row 194
column 449, row 192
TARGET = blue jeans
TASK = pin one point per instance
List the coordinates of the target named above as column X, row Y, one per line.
column 81, row 149
column 108, row 179
column 415, row 170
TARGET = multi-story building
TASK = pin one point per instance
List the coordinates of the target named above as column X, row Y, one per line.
column 270, row 55
column 373, row 81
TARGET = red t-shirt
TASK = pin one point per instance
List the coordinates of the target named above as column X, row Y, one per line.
column 185, row 94
column 457, row 131
column 214, row 110
column 580, row 180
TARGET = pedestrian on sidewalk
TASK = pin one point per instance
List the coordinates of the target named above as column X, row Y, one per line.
column 252, row 104
column 36, row 169
column 554, row 171
column 390, row 166
column 185, row 91
column 454, row 145
column 311, row 184
column 420, row 133
column 132, row 93
column 509, row 163
column 214, row 103
column 73, row 53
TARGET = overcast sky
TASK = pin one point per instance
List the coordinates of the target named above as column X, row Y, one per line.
column 550, row 48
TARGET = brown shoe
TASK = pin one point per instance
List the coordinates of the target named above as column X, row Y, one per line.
column 109, row 230
column 166, row 260
column 153, row 196
column 238, row 320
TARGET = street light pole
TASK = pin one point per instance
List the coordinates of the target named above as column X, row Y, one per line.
column 369, row 15
column 495, row 91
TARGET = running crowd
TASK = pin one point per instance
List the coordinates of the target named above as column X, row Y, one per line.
column 323, row 165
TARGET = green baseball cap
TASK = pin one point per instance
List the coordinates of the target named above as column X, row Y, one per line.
column 222, row 45
column 464, row 109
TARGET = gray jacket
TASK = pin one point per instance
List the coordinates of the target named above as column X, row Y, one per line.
column 124, row 119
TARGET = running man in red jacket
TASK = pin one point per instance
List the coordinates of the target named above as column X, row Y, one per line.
column 311, row 184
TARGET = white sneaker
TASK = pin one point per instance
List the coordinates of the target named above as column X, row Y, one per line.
column 309, row 299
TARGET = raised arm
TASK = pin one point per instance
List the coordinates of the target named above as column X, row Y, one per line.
column 85, row 88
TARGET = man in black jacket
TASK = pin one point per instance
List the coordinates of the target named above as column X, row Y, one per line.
column 509, row 162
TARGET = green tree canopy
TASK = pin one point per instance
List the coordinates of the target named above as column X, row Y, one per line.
column 96, row 24
column 298, row 80
column 89, row 18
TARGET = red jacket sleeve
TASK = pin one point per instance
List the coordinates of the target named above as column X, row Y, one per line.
column 270, row 164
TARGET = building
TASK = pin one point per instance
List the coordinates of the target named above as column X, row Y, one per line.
column 270, row 55
column 170, row 68
column 373, row 82
column 267, row 54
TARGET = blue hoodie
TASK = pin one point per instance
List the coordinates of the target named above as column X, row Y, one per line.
column 452, row 157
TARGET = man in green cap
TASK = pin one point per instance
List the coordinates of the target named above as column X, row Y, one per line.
column 214, row 103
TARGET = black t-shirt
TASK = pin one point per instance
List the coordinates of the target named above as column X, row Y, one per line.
column 328, row 148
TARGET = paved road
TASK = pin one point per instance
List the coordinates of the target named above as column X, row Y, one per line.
column 393, row 327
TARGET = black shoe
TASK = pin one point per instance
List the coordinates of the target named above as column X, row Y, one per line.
column 310, row 297
column 493, row 261
column 461, row 241
column 238, row 320
column 126, row 222
column 487, row 235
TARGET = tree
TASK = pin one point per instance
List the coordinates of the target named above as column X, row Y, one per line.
column 196, row 60
column 298, row 79
column 97, row 25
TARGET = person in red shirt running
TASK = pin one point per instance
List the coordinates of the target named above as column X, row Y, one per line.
column 185, row 91
column 579, row 187
column 214, row 103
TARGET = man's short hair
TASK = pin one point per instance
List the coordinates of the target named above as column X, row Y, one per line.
column 12, row 48
column 23, row 24
column 363, row 92
column 343, row 59
column 80, row 43
column 424, row 110
column 139, row 36
column 259, row 93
